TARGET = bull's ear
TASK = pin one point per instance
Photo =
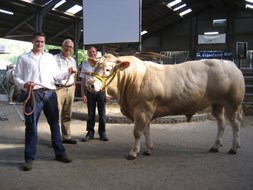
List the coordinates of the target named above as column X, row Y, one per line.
column 92, row 61
column 123, row 65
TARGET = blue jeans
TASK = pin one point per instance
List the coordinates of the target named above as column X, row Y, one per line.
column 96, row 100
column 46, row 101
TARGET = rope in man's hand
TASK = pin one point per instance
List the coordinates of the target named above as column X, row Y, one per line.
column 30, row 86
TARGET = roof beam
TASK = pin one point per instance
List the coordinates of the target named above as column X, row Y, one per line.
column 20, row 24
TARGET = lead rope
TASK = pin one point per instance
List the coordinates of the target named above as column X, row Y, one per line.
column 31, row 94
column 65, row 84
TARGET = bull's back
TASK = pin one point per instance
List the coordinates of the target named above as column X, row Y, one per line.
column 194, row 85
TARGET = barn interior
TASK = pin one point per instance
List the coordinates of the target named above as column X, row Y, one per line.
column 167, row 29
column 177, row 30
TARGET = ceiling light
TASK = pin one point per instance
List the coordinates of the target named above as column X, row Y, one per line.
column 249, row 6
column 220, row 22
column 28, row 1
column 211, row 33
column 6, row 12
column 173, row 3
column 250, row 1
column 59, row 4
column 180, row 7
column 73, row 10
column 144, row 32
column 185, row 12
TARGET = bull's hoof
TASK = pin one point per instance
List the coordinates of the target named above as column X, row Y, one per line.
column 145, row 153
column 231, row 151
column 214, row 150
column 130, row 157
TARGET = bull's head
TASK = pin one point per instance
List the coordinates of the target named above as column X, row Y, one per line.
column 105, row 69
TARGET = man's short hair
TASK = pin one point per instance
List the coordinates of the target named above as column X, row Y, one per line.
column 90, row 47
column 36, row 34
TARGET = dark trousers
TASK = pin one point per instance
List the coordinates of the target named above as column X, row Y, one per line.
column 46, row 101
column 96, row 100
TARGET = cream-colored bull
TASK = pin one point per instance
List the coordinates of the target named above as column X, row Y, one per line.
column 146, row 90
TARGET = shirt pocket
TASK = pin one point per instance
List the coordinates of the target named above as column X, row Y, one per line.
column 31, row 68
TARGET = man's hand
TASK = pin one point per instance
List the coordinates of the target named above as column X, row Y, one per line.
column 87, row 72
column 84, row 99
column 72, row 70
column 29, row 85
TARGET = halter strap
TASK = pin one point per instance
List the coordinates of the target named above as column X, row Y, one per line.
column 104, row 79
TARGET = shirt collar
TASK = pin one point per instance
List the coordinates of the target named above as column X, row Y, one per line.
column 62, row 57
column 32, row 54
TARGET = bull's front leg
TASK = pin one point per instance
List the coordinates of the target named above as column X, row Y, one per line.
column 136, row 146
column 140, row 124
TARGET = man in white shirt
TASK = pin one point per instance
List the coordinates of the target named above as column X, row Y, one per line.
column 93, row 100
column 36, row 72
column 66, row 90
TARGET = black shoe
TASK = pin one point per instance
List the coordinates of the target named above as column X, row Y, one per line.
column 69, row 141
column 64, row 158
column 28, row 165
column 104, row 138
column 88, row 137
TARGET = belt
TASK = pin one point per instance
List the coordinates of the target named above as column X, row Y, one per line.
column 60, row 85
column 44, row 90
column 87, row 90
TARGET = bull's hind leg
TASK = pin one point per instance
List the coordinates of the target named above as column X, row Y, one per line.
column 149, row 143
column 218, row 113
column 235, row 118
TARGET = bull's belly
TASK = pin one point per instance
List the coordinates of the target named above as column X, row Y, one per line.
column 162, row 111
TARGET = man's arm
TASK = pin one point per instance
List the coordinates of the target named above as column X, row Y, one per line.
column 83, row 88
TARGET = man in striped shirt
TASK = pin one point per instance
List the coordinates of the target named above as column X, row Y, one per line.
column 66, row 90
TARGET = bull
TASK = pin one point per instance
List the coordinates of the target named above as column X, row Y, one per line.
column 146, row 90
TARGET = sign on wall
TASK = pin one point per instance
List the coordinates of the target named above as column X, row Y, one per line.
column 214, row 54
column 212, row 39
column 111, row 21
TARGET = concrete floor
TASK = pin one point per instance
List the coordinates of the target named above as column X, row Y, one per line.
column 180, row 159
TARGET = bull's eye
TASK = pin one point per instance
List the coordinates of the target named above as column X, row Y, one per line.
column 107, row 70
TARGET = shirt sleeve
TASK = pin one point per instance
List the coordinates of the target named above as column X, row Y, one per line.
column 18, row 76
column 58, row 73
column 82, row 75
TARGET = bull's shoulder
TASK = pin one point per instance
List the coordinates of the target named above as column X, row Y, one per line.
column 129, row 58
